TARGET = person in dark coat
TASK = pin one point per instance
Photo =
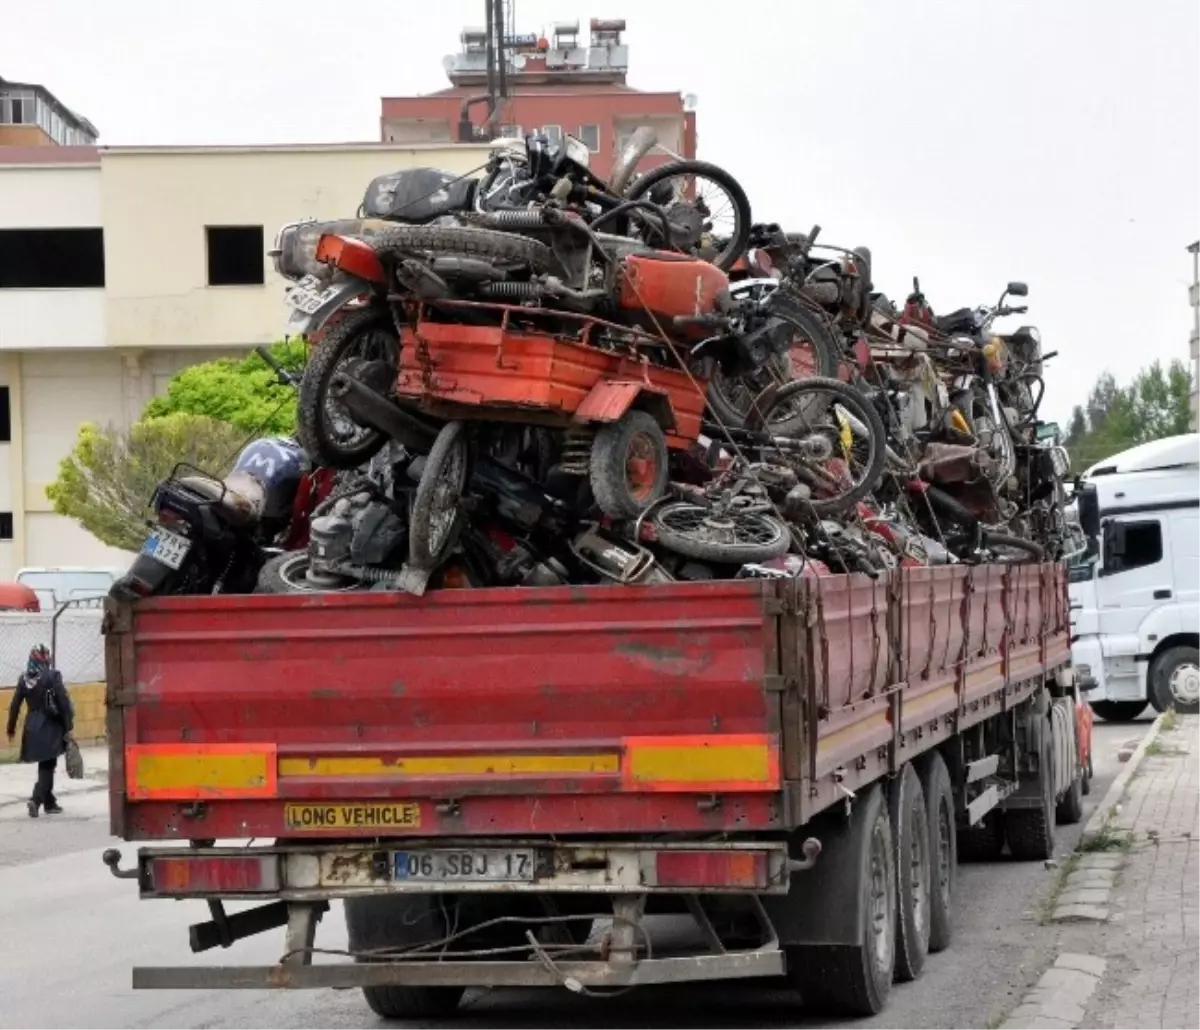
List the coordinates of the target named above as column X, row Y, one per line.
column 48, row 724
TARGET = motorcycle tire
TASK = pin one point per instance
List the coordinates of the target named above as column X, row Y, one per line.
column 858, row 406
column 501, row 248
column 740, row 240
column 818, row 345
column 318, row 438
column 443, row 480
column 679, row 527
column 1014, row 543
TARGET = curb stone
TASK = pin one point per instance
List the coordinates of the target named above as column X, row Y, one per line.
column 1088, row 889
column 1060, row 996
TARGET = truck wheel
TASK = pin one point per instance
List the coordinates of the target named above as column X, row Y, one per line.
column 943, row 847
column 854, row 980
column 982, row 843
column 906, row 808
column 1118, row 711
column 1070, row 805
column 399, row 922
column 1175, row 680
column 1031, row 830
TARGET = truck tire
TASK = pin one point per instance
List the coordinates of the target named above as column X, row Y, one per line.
column 943, row 847
column 1070, row 805
column 1118, row 711
column 910, row 827
column 1030, row 831
column 854, row 980
column 398, row 922
column 1173, row 680
column 982, row 843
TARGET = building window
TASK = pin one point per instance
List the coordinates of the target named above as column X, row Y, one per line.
column 590, row 134
column 17, row 108
column 235, row 255
column 51, row 258
column 5, row 416
column 553, row 133
column 512, row 132
column 6, row 525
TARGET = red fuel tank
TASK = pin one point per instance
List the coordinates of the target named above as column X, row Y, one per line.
column 670, row 285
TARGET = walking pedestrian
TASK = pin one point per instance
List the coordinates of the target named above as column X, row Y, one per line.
column 48, row 724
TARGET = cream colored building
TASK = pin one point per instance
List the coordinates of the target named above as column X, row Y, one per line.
column 182, row 277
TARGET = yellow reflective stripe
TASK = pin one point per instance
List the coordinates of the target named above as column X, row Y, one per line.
column 452, row 765
column 182, row 772
column 737, row 762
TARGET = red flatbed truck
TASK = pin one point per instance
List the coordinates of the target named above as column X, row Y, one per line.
column 480, row 774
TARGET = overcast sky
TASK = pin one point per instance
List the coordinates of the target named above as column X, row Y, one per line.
column 967, row 142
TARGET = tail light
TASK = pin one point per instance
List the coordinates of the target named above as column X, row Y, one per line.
column 216, row 874
column 352, row 256
column 712, row 869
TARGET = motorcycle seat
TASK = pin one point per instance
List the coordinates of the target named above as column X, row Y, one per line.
column 241, row 499
column 960, row 321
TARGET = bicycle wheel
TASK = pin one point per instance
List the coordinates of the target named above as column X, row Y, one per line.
column 435, row 506
column 835, row 440
column 730, row 538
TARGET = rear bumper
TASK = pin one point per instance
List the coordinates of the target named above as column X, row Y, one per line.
column 310, row 873
column 768, row 961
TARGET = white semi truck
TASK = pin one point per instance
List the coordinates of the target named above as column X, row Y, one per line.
column 1135, row 594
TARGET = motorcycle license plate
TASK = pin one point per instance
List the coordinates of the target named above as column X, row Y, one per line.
column 166, row 547
column 309, row 294
column 479, row 865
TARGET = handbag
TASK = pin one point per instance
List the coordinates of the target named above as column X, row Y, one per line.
column 73, row 759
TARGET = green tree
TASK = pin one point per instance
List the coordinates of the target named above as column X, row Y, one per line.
column 1115, row 418
column 243, row 392
column 107, row 481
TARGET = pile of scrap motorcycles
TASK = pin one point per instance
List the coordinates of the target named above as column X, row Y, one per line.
column 538, row 377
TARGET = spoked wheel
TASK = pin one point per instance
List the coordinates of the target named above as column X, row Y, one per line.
column 705, row 206
column 994, row 439
column 435, row 506
column 728, row 536
column 835, row 440
column 628, row 468
column 326, row 430
column 732, row 398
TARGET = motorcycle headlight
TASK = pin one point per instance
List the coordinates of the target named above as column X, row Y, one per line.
column 283, row 252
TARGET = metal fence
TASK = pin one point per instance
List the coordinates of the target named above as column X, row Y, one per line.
column 72, row 633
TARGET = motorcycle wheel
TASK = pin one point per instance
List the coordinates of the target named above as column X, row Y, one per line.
column 435, row 507
column 734, row 198
column 811, row 354
column 994, row 439
column 287, row 573
column 731, row 538
column 809, row 408
column 1012, row 550
column 323, row 426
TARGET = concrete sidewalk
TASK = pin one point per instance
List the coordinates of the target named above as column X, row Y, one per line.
column 1151, row 943
column 17, row 779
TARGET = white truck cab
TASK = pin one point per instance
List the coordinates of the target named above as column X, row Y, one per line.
column 1135, row 594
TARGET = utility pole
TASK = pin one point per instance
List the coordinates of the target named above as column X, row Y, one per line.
column 1194, row 297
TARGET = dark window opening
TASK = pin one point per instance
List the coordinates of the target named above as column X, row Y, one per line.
column 51, row 258
column 6, row 525
column 235, row 255
column 5, row 416
column 1132, row 545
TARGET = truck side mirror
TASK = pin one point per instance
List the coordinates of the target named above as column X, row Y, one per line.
column 1089, row 510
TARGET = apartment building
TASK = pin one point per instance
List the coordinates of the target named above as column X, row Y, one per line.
column 120, row 266
column 562, row 84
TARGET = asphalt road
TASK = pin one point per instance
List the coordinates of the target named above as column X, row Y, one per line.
column 70, row 933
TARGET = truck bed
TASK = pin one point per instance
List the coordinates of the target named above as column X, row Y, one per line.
column 733, row 707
